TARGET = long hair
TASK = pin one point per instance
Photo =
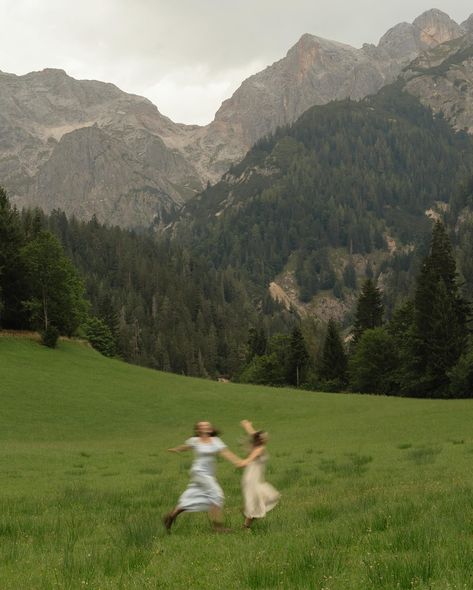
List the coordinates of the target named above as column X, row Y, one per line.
column 259, row 438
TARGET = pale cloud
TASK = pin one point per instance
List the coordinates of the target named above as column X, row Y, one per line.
column 185, row 55
column 194, row 92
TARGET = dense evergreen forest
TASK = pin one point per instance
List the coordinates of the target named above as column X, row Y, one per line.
column 160, row 306
column 347, row 175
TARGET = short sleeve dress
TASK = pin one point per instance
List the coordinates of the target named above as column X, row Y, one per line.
column 259, row 496
column 203, row 491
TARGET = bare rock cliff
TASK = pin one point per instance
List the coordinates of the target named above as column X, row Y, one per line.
column 443, row 79
column 89, row 148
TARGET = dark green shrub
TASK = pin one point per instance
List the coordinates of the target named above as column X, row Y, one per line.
column 100, row 336
column 50, row 336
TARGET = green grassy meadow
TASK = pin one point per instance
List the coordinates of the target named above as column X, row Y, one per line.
column 376, row 492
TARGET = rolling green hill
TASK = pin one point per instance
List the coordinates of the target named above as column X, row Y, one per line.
column 376, row 492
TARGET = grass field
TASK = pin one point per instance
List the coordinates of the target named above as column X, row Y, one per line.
column 376, row 492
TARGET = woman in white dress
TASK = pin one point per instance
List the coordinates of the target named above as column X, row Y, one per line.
column 259, row 496
column 203, row 494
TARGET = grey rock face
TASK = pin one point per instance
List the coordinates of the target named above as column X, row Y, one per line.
column 435, row 27
column 406, row 40
column 89, row 171
column 443, row 79
column 88, row 148
column 468, row 24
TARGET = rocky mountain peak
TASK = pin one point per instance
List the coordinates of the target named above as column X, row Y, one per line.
column 436, row 27
column 468, row 24
column 442, row 78
column 305, row 53
column 58, row 72
column 399, row 41
column 312, row 52
column 307, row 42
column 406, row 40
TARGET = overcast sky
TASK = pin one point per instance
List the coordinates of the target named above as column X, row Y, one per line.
column 186, row 55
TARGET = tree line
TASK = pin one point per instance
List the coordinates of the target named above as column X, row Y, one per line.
column 39, row 286
column 343, row 177
column 146, row 300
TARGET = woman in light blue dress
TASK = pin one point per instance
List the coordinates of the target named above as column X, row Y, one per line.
column 203, row 494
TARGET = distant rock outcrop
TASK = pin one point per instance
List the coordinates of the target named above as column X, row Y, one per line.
column 443, row 79
column 468, row 24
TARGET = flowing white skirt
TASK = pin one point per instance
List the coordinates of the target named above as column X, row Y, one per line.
column 202, row 493
column 260, row 497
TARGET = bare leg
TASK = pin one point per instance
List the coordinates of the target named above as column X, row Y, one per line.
column 169, row 519
column 216, row 517
column 248, row 522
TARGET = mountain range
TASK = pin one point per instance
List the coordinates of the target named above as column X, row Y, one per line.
column 91, row 149
column 345, row 192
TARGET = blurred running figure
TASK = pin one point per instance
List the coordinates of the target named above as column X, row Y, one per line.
column 259, row 496
column 203, row 494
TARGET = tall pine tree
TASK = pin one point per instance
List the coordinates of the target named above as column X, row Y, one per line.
column 440, row 317
column 257, row 342
column 298, row 358
column 12, row 274
column 369, row 310
column 333, row 366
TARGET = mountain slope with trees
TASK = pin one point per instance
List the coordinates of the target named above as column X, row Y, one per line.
column 355, row 177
